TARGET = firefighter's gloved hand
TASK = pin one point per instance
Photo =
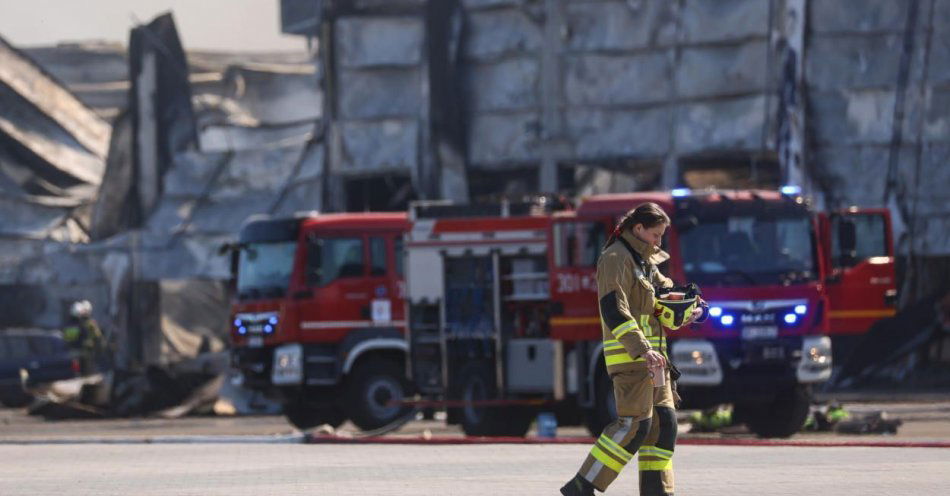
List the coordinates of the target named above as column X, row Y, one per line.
column 697, row 313
column 704, row 308
column 700, row 313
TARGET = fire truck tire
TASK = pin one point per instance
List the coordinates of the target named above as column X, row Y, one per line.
column 605, row 406
column 304, row 416
column 780, row 418
column 476, row 383
column 371, row 388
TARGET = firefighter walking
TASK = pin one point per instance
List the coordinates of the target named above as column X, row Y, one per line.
column 635, row 344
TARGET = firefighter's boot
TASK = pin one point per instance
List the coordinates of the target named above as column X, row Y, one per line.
column 578, row 486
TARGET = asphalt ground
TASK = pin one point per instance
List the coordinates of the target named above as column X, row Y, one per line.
column 923, row 421
column 237, row 456
column 456, row 470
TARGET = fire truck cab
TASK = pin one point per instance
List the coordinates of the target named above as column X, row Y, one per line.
column 318, row 318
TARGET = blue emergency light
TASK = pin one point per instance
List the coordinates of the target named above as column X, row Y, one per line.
column 680, row 192
column 790, row 190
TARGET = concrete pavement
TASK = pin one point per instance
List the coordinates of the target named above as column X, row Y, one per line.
column 291, row 469
column 923, row 422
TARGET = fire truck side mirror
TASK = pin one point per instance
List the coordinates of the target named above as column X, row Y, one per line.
column 232, row 251
column 312, row 272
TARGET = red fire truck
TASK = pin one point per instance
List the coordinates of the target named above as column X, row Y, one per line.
column 318, row 320
column 503, row 308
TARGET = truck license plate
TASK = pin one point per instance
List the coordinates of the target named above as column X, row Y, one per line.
column 773, row 353
column 255, row 341
column 759, row 332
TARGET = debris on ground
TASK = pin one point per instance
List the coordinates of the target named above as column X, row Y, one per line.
column 196, row 386
column 872, row 423
column 832, row 417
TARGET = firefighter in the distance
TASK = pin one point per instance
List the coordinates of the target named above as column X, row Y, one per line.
column 85, row 337
column 635, row 343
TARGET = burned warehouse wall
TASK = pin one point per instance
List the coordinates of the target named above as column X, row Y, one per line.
column 585, row 96
column 180, row 175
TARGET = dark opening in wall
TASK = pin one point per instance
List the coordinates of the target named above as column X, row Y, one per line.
column 730, row 171
column 20, row 304
column 609, row 176
column 390, row 193
column 493, row 184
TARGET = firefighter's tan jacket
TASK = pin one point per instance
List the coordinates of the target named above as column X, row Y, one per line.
column 626, row 296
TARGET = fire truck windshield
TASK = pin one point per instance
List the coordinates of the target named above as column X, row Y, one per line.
column 741, row 251
column 264, row 269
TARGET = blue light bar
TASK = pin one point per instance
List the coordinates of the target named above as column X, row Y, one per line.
column 715, row 311
column 791, row 190
column 791, row 318
column 242, row 330
column 680, row 192
column 801, row 309
column 273, row 320
column 237, row 322
column 268, row 328
column 727, row 320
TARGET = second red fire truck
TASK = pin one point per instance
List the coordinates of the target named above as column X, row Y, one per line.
column 318, row 320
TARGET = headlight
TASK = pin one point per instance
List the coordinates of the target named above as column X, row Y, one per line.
column 815, row 365
column 697, row 362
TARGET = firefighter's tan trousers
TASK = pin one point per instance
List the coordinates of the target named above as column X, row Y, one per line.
column 646, row 423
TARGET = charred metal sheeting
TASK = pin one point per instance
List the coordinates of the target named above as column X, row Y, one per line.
column 50, row 97
column 163, row 122
column 194, row 318
column 276, row 94
column 109, row 215
column 186, row 387
column 52, row 150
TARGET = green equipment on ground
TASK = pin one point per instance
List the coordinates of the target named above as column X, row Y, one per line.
column 711, row 419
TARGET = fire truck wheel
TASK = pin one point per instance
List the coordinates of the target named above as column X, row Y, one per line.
column 782, row 417
column 371, row 389
column 476, row 383
column 304, row 416
column 605, row 406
